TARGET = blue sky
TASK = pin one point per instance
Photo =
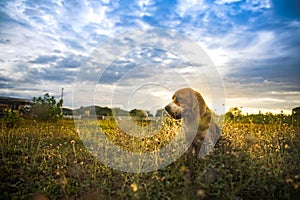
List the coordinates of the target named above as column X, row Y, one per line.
column 254, row 45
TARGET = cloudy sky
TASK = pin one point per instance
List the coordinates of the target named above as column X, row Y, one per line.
column 102, row 52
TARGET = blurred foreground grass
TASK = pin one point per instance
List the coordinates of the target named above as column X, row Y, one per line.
column 251, row 161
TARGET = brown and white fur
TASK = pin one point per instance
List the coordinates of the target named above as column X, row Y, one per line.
column 201, row 132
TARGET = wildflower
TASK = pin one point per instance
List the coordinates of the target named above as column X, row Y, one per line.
column 134, row 187
column 73, row 147
column 201, row 194
column 289, row 180
column 63, row 180
column 184, row 168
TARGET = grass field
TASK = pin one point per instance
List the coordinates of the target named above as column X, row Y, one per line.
column 251, row 161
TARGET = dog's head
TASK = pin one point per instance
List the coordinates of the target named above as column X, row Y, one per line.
column 189, row 105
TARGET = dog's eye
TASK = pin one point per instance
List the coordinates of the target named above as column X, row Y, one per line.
column 175, row 99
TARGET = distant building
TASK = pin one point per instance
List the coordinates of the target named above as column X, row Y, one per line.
column 8, row 103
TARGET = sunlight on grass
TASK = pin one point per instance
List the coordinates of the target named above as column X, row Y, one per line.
column 250, row 161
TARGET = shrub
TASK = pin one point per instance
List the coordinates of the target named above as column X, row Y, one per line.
column 11, row 118
column 46, row 108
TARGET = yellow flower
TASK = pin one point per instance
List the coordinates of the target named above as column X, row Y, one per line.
column 201, row 194
column 134, row 187
column 184, row 168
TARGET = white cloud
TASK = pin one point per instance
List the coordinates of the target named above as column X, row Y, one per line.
column 226, row 1
column 255, row 94
column 71, row 29
column 162, row 94
column 239, row 45
column 146, row 8
column 285, row 92
column 261, row 45
column 106, row 1
column 190, row 7
column 97, row 15
column 256, row 5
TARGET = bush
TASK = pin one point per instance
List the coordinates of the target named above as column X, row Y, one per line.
column 46, row 108
column 11, row 118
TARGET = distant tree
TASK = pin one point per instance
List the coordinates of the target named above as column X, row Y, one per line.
column 295, row 117
column 46, row 108
column 296, row 111
column 235, row 111
column 233, row 114
column 104, row 111
column 139, row 113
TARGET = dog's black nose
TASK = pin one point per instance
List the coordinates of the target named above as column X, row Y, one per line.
column 167, row 108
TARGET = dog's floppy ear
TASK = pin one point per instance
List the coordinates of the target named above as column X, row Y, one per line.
column 205, row 120
column 205, row 114
column 195, row 105
column 199, row 101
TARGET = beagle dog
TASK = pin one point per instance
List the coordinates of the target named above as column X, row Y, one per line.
column 201, row 132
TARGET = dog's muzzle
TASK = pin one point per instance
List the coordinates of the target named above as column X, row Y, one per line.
column 174, row 110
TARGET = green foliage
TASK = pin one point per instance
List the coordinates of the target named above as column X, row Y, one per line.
column 46, row 108
column 11, row 118
column 140, row 114
column 95, row 110
column 234, row 115
column 103, row 111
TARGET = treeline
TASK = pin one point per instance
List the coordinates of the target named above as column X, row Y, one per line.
column 46, row 108
column 235, row 115
column 105, row 111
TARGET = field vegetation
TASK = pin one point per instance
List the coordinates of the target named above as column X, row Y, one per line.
column 257, row 157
